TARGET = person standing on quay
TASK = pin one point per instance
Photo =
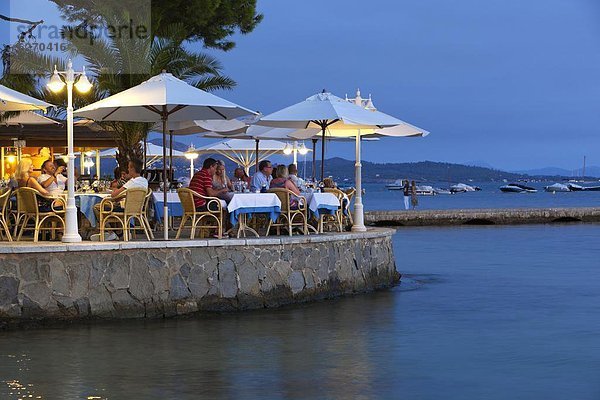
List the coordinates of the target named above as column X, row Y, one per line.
column 413, row 195
column 406, row 190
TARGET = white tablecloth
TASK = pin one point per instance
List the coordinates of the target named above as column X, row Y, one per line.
column 250, row 203
column 321, row 201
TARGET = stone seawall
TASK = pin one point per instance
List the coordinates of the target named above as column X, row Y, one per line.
column 513, row 216
column 162, row 279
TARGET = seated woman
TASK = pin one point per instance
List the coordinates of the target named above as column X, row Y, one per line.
column 221, row 181
column 24, row 178
column 282, row 181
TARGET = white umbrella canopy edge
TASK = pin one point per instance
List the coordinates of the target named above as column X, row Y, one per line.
column 12, row 100
column 163, row 94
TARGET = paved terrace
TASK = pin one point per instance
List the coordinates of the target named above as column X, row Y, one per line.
column 482, row 216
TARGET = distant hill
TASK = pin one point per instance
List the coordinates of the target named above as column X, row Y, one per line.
column 423, row 171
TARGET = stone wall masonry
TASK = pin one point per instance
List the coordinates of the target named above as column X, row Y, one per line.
column 511, row 216
column 163, row 279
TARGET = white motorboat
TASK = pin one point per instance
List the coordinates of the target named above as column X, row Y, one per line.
column 425, row 190
column 557, row 187
column 517, row 188
column 397, row 185
column 442, row 191
column 461, row 188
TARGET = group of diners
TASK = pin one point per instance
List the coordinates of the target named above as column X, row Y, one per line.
column 212, row 181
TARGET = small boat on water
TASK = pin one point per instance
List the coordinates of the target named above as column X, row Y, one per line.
column 397, row 185
column 442, row 191
column 425, row 190
column 578, row 188
column 557, row 187
column 461, row 188
column 517, row 188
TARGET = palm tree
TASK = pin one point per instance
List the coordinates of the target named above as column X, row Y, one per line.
column 117, row 64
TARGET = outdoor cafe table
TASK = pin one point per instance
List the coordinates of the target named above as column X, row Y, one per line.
column 173, row 205
column 321, row 203
column 86, row 202
column 243, row 205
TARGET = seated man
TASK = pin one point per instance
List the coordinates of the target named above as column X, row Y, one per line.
column 293, row 176
column 134, row 168
column 202, row 183
column 136, row 180
column 51, row 178
column 263, row 177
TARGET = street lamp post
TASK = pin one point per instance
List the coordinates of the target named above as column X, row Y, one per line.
column 191, row 155
column 295, row 149
column 59, row 80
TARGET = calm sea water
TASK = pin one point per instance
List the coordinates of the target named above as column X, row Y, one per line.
column 377, row 197
column 482, row 313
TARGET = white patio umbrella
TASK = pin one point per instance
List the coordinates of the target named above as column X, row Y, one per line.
column 163, row 98
column 11, row 100
column 336, row 118
column 243, row 152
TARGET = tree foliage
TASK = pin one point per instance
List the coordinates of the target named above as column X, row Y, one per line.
column 212, row 22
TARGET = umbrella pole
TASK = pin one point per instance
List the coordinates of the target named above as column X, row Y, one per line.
column 256, row 156
column 314, row 155
column 170, row 154
column 359, row 218
column 323, row 155
column 145, row 151
column 165, row 116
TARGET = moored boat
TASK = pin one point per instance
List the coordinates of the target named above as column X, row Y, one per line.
column 517, row 188
column 557, row 187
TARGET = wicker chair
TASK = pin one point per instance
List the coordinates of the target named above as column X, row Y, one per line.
column 145, row 214
column 4, row 202
column 338, row 217
column 348, row 214
column 28, row 209
column 214, row 213
column 133, row 210
column 290, row 217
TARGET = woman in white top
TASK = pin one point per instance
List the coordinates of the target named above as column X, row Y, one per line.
column 221, row 181
column 51, row 178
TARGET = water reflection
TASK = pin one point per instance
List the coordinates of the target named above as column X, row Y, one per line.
column 300, row 352
column 484, row 312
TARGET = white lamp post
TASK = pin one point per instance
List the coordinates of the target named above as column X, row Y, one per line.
column 59, row 80
column 289, row 149
column 191, row 155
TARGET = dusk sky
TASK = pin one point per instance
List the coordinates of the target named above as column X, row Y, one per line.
column 511, row 83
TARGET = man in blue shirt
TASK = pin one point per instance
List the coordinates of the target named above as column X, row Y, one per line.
column 262, row 177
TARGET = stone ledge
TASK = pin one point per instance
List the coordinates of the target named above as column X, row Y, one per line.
column 57, row 247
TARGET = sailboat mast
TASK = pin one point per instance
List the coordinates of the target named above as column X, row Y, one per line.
column 583, row 170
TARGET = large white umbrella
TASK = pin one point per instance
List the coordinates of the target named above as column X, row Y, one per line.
column 154, row 151
column 163, row 98
column 336, row 118
column 11, row 100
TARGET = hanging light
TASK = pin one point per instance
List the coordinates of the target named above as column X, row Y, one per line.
column 83, row 85
column 287, row 150
column 302, row 149
column 55, row 84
